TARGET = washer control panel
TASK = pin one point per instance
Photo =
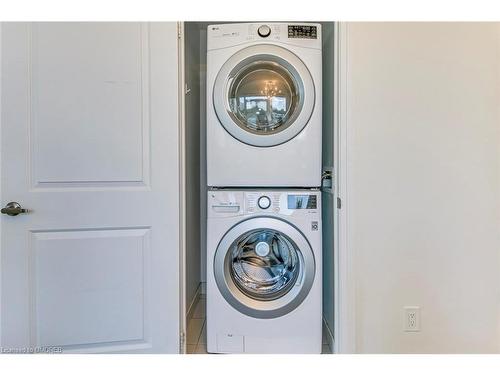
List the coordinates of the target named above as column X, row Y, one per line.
column 281, row 202
column 230, row 203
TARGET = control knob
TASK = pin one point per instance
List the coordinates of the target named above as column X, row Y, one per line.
column 264, row 202
column 264, row 31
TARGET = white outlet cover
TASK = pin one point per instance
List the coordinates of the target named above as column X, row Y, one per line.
column 411, row 318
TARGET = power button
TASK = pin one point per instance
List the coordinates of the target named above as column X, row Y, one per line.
column 264, row 31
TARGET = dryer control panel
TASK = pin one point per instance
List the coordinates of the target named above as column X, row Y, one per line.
column 233, row 34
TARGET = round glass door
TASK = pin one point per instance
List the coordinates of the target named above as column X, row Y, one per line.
column 264, row 267
column 264, row 95
column 264, row 264
column 264, row 98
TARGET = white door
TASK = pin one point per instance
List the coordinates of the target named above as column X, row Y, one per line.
column 90, row 147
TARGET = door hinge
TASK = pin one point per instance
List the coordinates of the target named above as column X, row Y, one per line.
column 179, row 30
column 339, row 203
column 182, row 340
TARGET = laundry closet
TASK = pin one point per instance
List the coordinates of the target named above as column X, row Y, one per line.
column 259, row 146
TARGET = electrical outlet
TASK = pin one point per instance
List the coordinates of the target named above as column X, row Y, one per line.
column 412, row 318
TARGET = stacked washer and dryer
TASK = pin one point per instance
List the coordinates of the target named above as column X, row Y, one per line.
column 264, row 250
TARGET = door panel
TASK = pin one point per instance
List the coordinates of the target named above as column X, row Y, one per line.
column 94, row 265
column 101, row 277
column 112, row 79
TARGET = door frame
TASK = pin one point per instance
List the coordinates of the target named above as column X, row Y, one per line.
column 345, row 286
column 182, row 188
column 1, row 196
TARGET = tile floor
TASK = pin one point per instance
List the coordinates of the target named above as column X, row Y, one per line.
column 196, row 338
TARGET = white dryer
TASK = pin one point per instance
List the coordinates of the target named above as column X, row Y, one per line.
column 264, row 271
column 264, row 105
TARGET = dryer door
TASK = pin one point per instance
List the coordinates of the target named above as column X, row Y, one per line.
column 264, row 95
column 264, row 267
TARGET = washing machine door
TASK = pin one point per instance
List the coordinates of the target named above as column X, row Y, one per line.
column 264, row 267
column 264, row 95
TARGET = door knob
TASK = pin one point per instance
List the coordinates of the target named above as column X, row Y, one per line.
column 13, row 209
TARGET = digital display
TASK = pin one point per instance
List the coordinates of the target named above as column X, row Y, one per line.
column 302, row 202
column 302, row 31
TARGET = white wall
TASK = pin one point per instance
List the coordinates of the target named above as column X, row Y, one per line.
column 423, row 174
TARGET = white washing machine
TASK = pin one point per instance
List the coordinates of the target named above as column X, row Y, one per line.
column 264, row 105
column 264, row 271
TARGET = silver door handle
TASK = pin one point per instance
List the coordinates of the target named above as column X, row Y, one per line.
column 13, row 209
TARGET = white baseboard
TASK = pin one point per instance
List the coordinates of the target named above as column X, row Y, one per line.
column 329, row 335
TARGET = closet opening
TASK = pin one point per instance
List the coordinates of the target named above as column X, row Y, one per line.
column 197, row 190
